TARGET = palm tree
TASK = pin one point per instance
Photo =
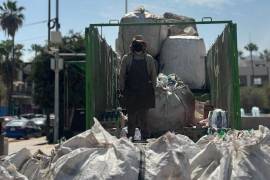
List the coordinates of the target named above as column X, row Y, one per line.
column 11, row 19
column 251, row 47
column 5, row 49
column 36, row 48
column 265, row 55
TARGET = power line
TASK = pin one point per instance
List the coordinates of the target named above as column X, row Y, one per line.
column 35, row 23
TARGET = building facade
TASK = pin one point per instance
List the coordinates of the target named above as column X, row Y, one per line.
column 259, row 75
column 23, row 89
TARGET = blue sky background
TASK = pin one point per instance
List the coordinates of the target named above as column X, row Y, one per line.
column 251, row 16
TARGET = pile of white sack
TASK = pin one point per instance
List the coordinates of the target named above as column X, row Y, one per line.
column 178, row 48
column 95, row 154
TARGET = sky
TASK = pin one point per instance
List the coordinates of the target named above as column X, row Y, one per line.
column 252, row 18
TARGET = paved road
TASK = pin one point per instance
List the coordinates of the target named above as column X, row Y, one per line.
column 32, row 144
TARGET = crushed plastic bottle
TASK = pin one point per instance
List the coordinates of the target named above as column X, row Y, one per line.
column 137, row 135
column 218, row 119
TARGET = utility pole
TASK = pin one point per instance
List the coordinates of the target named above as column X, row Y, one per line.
column 126, row 6
column 57, row 16
column 56, row 81
column 54, row 23
column 49, row 21
column 56, row 99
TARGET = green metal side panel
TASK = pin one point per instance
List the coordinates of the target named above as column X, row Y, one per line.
column 101, row 76
column 88, row 85
column 236, row 83
column 222, row 66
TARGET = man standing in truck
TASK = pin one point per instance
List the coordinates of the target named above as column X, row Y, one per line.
column 137, row 83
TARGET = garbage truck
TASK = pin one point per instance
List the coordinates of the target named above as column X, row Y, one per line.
column 221, row 69
column 212, row 74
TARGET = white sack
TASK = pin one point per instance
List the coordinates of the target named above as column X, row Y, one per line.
column 31, row 169
column 174, row 109
column 175, row 141
column 183, row 29
column 238, row 155
column 153, row 35
column 97, row 163
column 95, row 154
column 184, row 56
column 18, row 159
column 97, row 136
column 119, row 159
column 8, row 172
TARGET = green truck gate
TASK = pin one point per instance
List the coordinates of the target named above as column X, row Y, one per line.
column 221, row 66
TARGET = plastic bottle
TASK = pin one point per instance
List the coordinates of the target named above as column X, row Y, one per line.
column 137, row 135
column 242, row 112
column 255, row 111
column 124, row 132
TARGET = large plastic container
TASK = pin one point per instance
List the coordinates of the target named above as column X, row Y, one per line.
column 185, row 56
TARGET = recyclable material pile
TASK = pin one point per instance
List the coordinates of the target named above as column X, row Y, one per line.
column 177, row 48
column 95, row 154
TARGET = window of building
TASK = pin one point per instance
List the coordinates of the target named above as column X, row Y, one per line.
column 257, row 81
column 243, row 81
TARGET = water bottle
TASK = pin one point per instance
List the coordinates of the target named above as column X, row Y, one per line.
column 124, row 132
column 219, row 120
column 255, row 111
column 137, row 135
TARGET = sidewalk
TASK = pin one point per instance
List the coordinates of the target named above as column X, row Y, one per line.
column 32, row 144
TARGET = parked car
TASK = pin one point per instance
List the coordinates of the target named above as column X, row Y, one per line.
column 22, row 128
column 40, row 121
column 28, row 116
column 6, row 120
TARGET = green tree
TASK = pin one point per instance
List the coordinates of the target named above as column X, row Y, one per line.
column 71, row 79
column 37, row 49
column 265, row 55
column 2, row 91
column 5, row 50
column 251, row 47
column 6, row 63
column 253, row 96
column 43, row 78
column 11, row 19
column 240, row 54
column 267, row 92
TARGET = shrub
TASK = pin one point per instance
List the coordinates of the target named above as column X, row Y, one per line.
column 267, row 93
column 253, row 96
